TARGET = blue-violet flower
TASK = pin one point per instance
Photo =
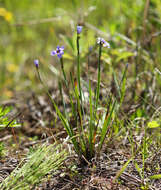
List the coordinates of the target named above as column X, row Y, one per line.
column 59, row 51
column 36, row 62
column 103, row 42
column 79, row 29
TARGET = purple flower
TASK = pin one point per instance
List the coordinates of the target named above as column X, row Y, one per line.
column 36, row 62
column 79, row 29
column 103, row 42
column 59, row 51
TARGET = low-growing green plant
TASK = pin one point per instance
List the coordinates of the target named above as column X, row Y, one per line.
column 4, row 120
column 90, row 127
column 42, row 161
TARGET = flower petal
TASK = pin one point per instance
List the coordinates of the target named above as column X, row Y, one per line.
column 79, row 29
column 36, row 62
column 53, row 53
column 98, row 40
column 106, row 44
column 59, row 55
column 103, row 42
column 62, row 48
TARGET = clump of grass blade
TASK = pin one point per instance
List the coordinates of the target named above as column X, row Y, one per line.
column 44, row 160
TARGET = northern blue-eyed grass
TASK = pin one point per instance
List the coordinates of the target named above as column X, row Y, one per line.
column 79, row 30
column 98, row 75
column 123, row 36
column 102, row 43
column 91, row 122
column 59, row 52
column 83, row 139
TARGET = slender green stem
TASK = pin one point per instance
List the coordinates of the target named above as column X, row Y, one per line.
column 71, row 100
column 64, row 75
column 91, row 123
column 98, row 77
column 78, row 67
column 79, row 106
column 80, row 127
column 66, row 84
column 61, row 94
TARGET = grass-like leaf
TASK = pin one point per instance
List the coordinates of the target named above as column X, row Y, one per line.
column 107, row 121
column 157, row 176
column 122, row 170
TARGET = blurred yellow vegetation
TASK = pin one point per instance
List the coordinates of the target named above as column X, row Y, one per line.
column 67, row 56
column 12, row 68
column 6, row 14
column 153, row 124
column 8, row 93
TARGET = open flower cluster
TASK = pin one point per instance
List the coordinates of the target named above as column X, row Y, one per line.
column 60, row 49
column 103, row 42
column 83, row 149
column 36, row 62
column 59, row 52
column 79, row 29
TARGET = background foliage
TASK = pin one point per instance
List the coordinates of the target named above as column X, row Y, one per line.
column 32, row 29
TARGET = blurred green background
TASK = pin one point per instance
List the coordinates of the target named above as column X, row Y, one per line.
column 30, row 29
